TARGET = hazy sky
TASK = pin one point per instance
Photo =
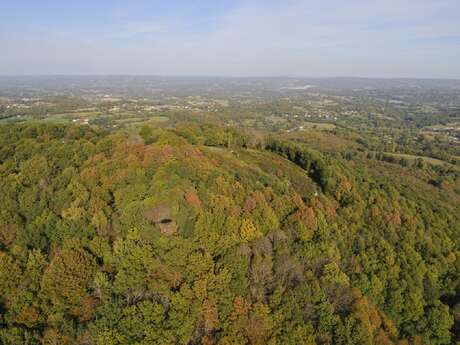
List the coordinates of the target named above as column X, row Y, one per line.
column 371, row 38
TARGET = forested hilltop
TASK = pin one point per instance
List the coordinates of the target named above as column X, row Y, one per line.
column 205, row 234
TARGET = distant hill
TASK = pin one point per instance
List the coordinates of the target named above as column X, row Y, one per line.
column 137, row 85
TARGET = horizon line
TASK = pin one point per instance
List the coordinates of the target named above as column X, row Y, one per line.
column 35, row 75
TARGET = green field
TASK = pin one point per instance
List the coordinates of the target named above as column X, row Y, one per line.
column 430, row 160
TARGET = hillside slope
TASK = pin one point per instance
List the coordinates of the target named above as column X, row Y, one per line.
column 201, row 235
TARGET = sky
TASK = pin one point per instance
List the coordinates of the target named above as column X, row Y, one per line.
column 311, row 38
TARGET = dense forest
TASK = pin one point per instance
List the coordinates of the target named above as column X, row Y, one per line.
column 204, row 234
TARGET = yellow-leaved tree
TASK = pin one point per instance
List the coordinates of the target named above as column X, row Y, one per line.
column 248, row 231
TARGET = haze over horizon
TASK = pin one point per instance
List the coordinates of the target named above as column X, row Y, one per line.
column 414, row 39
